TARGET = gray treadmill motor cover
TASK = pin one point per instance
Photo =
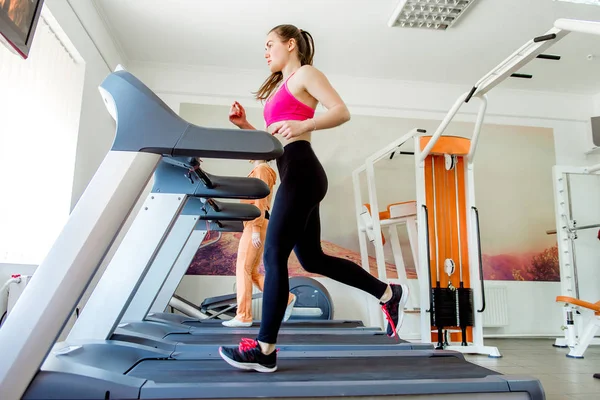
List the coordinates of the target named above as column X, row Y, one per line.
column 146, row 124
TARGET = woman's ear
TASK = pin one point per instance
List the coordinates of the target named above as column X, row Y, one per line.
column 291, row 44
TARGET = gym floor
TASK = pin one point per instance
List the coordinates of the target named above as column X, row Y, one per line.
column 562, row 378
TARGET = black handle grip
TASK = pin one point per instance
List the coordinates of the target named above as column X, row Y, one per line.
column 428, row 255
column 480, row 260
column 548, row 57
column 191, row 164
column 524, row 76
column 471, row 93
column 543, row 38
column 213, row 204
column 204, row 178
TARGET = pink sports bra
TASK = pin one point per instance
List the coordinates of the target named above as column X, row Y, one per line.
column 283, row 106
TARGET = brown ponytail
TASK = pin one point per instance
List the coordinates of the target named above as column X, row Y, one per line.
column 306, row 53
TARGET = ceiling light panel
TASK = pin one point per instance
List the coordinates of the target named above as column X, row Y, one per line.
column 592, row 2
column 428, row 14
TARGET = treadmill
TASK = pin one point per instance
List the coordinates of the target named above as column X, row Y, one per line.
column 314, row 307
column 136, row 300
column 126, row 318
column 150, row 286
column 200, row 214
column 88, row 365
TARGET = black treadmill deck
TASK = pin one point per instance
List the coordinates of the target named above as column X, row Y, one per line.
column 312, row 370
column 282, row 339
column 316, row 324
column 334, row 376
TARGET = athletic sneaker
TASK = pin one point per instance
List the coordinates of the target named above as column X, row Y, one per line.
column 236, row 323
column 290, row 308
column 248, row 356
column 394, row 309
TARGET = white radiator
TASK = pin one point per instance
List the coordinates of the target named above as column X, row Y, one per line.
column 256, row 305
column 496, row 307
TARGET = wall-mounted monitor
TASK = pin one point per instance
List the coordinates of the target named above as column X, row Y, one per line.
column 18, row 21
column 596, row 131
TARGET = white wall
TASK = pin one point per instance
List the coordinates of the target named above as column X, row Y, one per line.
column 567, row 114
column 50, row 83
column 96, row 128
column 98, row 28
column 82, row 25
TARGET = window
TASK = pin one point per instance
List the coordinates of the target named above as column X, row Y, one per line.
column 40, row 103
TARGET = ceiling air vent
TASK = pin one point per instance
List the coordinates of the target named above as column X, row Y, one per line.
column 590, row 2
column 428, row 14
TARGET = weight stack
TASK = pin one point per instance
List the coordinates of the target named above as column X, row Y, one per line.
column 466, row 316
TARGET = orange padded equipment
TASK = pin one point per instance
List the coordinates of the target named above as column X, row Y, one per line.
column 382, row 214
column 456, row 145
column 571, row 300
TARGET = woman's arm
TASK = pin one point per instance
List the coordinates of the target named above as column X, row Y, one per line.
column 237, row 116
column 318, row 86
column 247, row 126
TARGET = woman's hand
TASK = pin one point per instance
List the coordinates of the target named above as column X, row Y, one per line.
column 237, row 116
column 256, row 239
column 291, row 129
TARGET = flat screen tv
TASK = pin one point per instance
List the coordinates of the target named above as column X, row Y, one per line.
column 596, row 131
column 18, row 21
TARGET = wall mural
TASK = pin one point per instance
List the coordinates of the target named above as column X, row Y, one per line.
column 527, row 266
column 218, row 252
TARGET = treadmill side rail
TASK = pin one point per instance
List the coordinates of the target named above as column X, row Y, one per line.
column 140, row 246
column 54, row 290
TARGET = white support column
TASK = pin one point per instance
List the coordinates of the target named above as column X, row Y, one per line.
column 362, row 240
column 397, row 252
column 126, row 270
column 379, row 254
column 562, row 217
column 411, row 228
column 566, row 251
column 423, row 268
column 178, row 271
column 442, row 127
column 50, row 297
column 160, row 269
column 475, row 276
column 477, row 129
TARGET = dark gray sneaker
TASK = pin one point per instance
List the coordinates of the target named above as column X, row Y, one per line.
column 248, row 356
column 394, row 309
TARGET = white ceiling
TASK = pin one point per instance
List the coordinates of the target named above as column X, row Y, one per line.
column 352, row 38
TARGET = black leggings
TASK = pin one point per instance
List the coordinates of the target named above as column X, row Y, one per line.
column 294, row 224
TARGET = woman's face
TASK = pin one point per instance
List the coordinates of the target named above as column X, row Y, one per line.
column 277, row 52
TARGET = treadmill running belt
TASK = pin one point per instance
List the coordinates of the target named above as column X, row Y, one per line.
column 289, row 324
column 312, row 370
column 235, row 338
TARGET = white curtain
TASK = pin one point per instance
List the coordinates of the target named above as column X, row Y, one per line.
column 40, row 103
